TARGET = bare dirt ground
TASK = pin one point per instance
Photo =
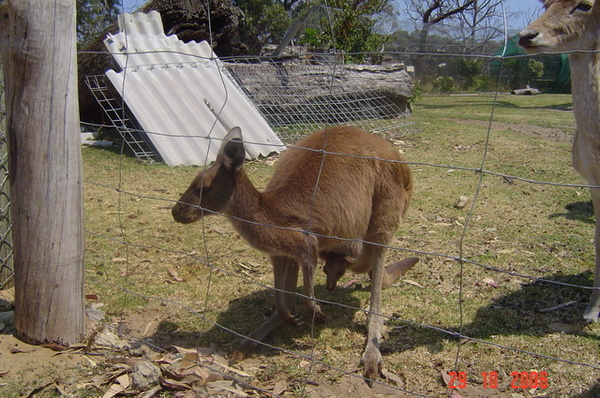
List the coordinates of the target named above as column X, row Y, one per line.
column 27, row 370
column 110, row 366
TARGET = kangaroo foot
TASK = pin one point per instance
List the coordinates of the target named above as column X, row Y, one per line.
column 372, row 363
column 394, row 271
column 590, row 315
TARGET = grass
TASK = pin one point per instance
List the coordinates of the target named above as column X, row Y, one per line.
column 523, row 228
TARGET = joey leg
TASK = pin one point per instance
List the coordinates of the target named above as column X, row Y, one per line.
column 309, row 265
column 394, row 271
column 591, row 313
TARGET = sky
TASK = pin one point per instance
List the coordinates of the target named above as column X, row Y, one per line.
column 523, row 11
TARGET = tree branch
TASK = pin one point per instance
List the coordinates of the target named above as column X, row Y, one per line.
column 453, row 12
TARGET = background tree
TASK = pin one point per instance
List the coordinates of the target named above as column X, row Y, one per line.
column 478, row 26
column 455, row 26
column 354, row 27
column 94, row 16
column 468, row 69
column 265, row 22
column 349, row 25
column 433, row 12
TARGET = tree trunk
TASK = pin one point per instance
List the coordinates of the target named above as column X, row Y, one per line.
column 39, row 57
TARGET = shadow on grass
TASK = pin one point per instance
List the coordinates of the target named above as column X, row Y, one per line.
column 578, row 211
column 246, row 313
column 593, row 392
column 518, row 313
column 567, row 106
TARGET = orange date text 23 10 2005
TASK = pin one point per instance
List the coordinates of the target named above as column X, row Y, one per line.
column 525, row 380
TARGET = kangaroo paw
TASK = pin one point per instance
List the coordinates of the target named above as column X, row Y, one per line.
column 315, row 312
column 320, row 316
column 294, row 320
column 394, row 271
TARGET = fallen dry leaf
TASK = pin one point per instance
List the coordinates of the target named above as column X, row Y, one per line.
column 411, row 282
column 219, row 230
column 280, row 387
column 304, row 364
column 121, row 384
column 226, row 385
column 224, row 364
column 173, row 274
column 202, row 351
column 124, row 361
column 197, row 371
column 173, row 384
column 490, row 282
column 60, row 389
column 55, row 346
column 445, row 377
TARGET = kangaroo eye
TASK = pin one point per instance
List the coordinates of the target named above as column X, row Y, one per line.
column 584, row 6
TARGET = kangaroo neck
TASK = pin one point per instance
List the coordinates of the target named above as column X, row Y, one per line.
column 247, row 207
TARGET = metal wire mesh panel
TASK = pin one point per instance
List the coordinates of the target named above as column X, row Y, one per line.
column 121, row 119
column 300, row 95
column 6, row 250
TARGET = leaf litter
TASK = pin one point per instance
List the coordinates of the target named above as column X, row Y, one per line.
column 185, row 372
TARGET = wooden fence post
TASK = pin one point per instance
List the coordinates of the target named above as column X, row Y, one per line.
column 39, row 56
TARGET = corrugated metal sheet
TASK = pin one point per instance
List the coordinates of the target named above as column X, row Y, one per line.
column 171, row 86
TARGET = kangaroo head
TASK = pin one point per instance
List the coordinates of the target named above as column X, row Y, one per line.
column 211, row 189
column 335, row 267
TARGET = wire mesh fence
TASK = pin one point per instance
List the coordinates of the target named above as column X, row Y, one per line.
column 463, row 266
column 311, row 91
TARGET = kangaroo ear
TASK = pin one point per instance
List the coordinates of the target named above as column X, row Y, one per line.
column 234, row 133
column 233, row 150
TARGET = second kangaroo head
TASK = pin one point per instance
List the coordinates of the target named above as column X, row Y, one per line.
column 212, row 188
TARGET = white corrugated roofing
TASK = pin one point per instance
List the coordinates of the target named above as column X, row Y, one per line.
column 167, row 84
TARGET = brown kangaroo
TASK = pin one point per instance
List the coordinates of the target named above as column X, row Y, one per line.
column 338, row 194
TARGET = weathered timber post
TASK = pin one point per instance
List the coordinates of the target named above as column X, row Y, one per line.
column 39, row 57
